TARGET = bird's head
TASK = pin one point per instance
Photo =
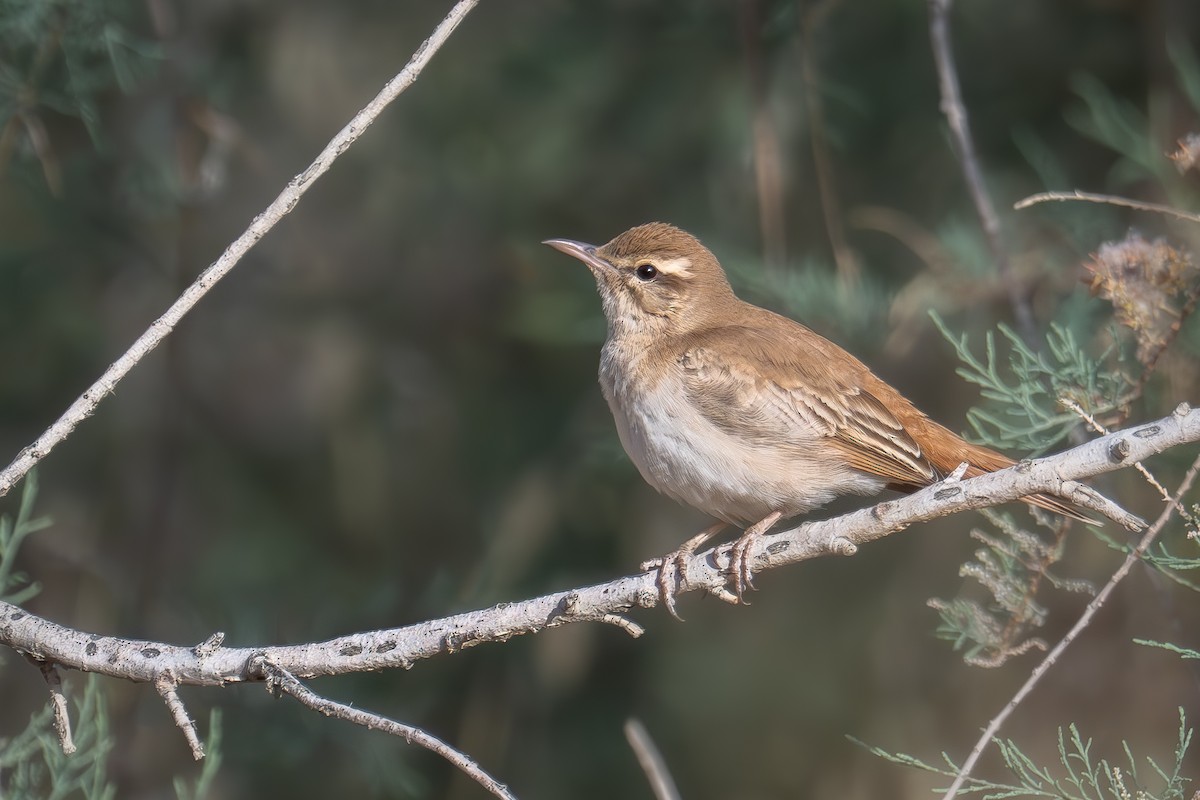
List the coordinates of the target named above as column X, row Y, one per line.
column 654, row 279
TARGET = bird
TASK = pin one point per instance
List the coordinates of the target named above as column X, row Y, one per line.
column 749, row 416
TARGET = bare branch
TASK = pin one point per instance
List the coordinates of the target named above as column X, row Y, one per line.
column 811, row 22
column 166, row 686
column 1112, row 200
column 956, row 116
column 86, row 403
column 280, row 680
column 651, row 760
column 1084, row 620
column 768, row 161
column 212, row 664
column 1145, row 473
column 58, row 702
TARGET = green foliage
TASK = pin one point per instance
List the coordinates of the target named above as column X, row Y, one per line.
column 1136, row 136
column 1184, row 652
column 61, row 55
column 812, row 292
column 1187, row 69
column 1010, row 566
column 1159, row 557
column 1082, row 776
column 16, row 587
column 1024, row 411
column 32, row 764
column 34, row 767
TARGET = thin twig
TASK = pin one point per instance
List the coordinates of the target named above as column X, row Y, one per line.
column 264, row 222
column 848, row 270
column 651, row 760
column 956, row 115
column 280, row 680
column 1084, row 620
column 1112, row 200
column 58, row 702
column 767, row 160
column 570, row 610
column 166, row 684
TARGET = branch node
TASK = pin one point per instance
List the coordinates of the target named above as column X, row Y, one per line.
column 1119, row 451
column 570, row 605
column 842, row 546
column 209, row 646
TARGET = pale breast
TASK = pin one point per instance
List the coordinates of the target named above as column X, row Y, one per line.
column 682, row 454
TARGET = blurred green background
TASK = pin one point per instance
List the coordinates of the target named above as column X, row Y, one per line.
column 389, row 413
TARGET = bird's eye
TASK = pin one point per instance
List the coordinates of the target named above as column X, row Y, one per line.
column 646, row 272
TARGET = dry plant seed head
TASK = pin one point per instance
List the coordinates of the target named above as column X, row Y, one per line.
column 1148, row 284
column 1188, row 153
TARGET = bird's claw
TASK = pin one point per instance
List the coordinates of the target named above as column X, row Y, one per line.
column 673, row 570
column 739, row 561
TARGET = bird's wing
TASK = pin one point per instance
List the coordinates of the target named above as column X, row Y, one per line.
column 747, row 385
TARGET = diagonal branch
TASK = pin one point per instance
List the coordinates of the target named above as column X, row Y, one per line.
column 650, row 760
column 86, row 404
column 956, row 116
column 58, row 702
column 167, row 688
column 1084, row 620
column 212, row 664
column 280, row 680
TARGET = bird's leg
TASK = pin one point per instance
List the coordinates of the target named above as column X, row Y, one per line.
column 739, row 564
column 672, row 568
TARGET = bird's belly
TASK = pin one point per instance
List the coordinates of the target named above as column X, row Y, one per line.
column 686, row 457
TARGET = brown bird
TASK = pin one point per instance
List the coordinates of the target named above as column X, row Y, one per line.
column 744, row 414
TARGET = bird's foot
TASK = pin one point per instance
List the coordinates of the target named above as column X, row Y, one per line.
column 672, row 568
column 739, row 563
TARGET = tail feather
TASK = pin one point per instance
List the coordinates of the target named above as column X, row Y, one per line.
column 982, row 460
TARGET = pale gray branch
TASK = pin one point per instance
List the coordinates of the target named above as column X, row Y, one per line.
column 58, row 702
column 651, row 760
column 167, row 690
column 213, row 664
column 280, row 680
column 86, row 403
column 1084, row 620
column 960, row 130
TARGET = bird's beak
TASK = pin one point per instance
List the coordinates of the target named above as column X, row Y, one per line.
column 584, row 252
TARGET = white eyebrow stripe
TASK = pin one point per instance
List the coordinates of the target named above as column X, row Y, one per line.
column 680, row 267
